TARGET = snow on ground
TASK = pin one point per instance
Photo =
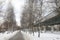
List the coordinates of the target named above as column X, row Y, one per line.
column 29, row 36
column 7, row 35
column 43, row 36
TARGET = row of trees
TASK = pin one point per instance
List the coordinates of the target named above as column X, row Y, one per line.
column 36, row 9
column 31, row 13
column 9, row 17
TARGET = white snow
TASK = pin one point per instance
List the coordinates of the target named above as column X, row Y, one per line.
column 29, row 36
column 43, row 36
column 7, row 35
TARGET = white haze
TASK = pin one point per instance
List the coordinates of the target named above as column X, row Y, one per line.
column 18, row 9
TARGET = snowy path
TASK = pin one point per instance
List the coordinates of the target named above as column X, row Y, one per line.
column 7, row 35
column 20, row 35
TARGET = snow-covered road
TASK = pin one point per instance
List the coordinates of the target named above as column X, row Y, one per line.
column 20, row 35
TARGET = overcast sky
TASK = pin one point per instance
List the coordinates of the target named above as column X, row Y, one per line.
column 18, row 8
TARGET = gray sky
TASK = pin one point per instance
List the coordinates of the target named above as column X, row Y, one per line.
column 18, row 8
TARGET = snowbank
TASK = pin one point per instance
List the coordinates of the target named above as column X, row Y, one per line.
column 7, row 35
column 43, row 36
column 27, row 36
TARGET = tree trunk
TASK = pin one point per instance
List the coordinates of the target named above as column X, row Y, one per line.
column 52, row 28
column 44, row 28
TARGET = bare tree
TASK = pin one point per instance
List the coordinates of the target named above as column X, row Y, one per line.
column 10, row 18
